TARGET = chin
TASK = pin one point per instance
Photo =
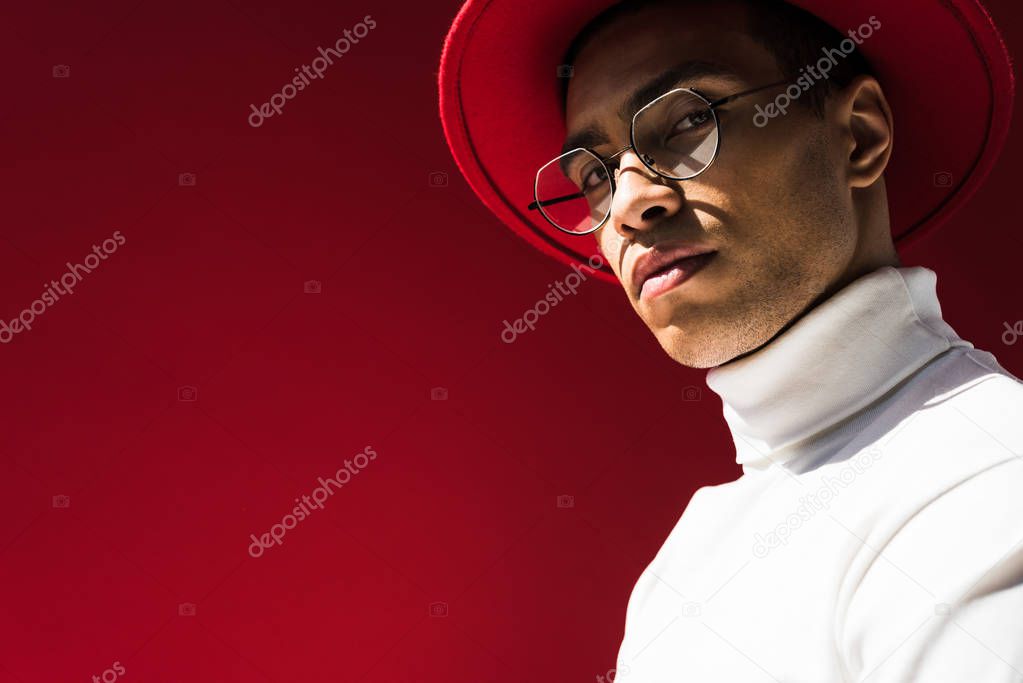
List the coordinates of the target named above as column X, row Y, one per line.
column 696, row 350
column 704, row 337
column 716, row 323
column 701, row 358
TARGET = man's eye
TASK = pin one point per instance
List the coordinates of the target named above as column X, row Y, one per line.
column 693, row 121
column 593, row 178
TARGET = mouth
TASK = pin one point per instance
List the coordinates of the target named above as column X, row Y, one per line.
column 672, row 275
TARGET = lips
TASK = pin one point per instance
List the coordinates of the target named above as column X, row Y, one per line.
column 661, row 269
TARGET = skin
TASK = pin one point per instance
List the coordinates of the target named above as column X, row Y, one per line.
column 795, row 210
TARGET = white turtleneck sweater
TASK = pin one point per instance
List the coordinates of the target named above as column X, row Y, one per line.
column 876, row 533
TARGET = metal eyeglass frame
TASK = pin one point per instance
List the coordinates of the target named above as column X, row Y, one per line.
column 711, row 106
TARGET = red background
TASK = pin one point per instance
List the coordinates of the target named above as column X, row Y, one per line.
column 460, row 506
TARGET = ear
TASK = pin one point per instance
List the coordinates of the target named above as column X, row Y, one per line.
column 862, row 113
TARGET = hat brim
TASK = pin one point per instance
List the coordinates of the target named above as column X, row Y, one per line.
column 944, row 67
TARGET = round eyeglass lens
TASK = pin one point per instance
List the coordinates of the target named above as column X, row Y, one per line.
column 677, row 134
column 574, row 191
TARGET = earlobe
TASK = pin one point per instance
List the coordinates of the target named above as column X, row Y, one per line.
column 867, row 119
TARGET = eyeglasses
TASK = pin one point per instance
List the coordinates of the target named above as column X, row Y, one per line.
column 677, row 136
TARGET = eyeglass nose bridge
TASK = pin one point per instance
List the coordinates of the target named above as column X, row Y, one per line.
column 645, row 159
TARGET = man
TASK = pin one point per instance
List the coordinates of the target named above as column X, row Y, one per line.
column 730, row 161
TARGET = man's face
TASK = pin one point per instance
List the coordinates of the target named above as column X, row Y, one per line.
column 773, row 207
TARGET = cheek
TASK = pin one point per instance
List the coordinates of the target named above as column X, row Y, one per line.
column 781, row 160
column 793, row 198
column 609, row 244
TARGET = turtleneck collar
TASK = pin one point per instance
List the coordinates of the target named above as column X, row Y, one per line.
column 838, row 359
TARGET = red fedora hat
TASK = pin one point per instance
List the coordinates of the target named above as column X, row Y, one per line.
column 500, row 107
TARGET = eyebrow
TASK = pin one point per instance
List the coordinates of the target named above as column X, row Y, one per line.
column 653, row 88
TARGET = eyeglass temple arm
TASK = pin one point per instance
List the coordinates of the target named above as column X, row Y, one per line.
column 744, row 93
column 556, row 200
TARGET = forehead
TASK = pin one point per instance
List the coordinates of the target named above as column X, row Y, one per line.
column 623, row 55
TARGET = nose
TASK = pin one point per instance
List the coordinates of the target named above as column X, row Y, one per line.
column 641, row 197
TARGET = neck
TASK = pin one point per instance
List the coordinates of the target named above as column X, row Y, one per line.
column 872, row 253
column 832, row 363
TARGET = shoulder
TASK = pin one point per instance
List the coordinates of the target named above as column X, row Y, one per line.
column 966, row 416
column 943, row 534
column 946, row 588
column 955, row 444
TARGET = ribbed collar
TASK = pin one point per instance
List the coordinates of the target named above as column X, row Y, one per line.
column 835, row 361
